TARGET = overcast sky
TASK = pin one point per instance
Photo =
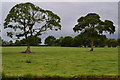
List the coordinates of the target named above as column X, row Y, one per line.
column 69, row 12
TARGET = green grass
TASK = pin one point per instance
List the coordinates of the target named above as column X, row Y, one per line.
column 59, row 61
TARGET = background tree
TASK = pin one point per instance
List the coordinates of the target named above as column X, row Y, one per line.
column 100, row 41
column 26, row 20
column 17, row 43
column 67, row 41
column 1, row 41
column 10, row 43
column 77, row 41
column 4, row 43
column 118, row 41
column 80, row 40
column 112, row 42
column 50, row 41
column 34, row 41
column 59, row 41
column 92, row 27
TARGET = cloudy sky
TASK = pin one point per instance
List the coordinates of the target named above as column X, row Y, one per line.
column 69, row 12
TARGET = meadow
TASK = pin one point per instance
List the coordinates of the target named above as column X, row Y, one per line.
column 59, row 61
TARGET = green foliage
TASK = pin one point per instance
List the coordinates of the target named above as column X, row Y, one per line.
column 112, row 42
column 118, row 40
column 8, row 43
column 11, row 43
column 17, row 42
column 81, row 40
column 92, row 27
column 23, row 18
column 4, row 43
column 66, row 41
column 50, row 41
column 101, row 41
column 57, row 42
column 0, row 41
column 32, row 40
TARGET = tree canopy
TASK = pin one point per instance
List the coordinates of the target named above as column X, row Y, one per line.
column 92, row 26
column 27, row 19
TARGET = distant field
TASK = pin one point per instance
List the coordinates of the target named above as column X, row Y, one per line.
column 59, row 61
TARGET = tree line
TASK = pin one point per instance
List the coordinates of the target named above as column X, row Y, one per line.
column 67, row 41
column 81, row 41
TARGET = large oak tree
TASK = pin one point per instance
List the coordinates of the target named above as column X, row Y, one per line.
column 92, row 27
column 26, row 20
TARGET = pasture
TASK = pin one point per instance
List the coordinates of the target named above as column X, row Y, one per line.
column 59, row 61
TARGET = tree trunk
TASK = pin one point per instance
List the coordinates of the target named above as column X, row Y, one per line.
column 28, row 49
column 91, row 45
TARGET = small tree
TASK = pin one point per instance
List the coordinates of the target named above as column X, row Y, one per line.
column 26, row 20
column 92, row 27
column 50, row 40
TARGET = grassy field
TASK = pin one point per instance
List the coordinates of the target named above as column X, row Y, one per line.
column 59, row 61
